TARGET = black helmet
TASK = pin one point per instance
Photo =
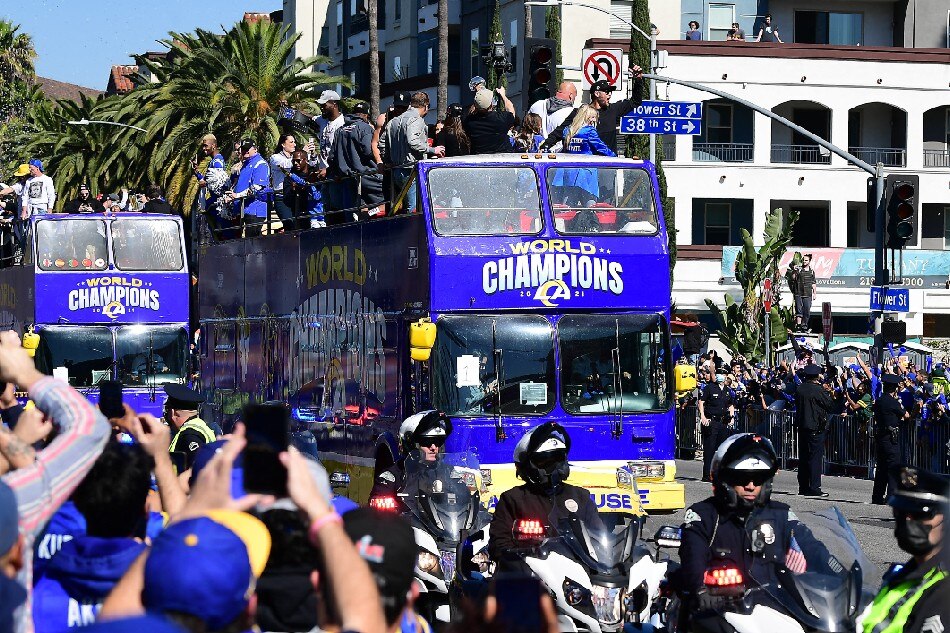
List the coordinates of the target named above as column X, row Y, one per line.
column 430, row 424
column 541, row 456
column 738, row 457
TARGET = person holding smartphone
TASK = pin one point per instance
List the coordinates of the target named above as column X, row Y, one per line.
column 189, row 432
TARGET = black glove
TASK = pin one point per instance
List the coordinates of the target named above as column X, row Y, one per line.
column 704, row 601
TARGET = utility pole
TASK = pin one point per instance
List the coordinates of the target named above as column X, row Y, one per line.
column 528, row 22
column 654, row 62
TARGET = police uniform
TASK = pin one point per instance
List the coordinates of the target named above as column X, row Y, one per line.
column 716, row 402
column 194, row 433
column 888, row 414
column 812, row 406
column 915, row 598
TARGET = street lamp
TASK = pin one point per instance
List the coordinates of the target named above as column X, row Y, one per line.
column 87, row 122
column 633, row 28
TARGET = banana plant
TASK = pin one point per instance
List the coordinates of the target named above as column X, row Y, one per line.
column 741, row 323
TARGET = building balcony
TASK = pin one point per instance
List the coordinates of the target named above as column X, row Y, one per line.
column 722, row 152
column 887, row 156
column 937, row 157
column 801, row 154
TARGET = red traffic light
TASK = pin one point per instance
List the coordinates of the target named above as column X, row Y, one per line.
column 904, row 191
column 542, row 55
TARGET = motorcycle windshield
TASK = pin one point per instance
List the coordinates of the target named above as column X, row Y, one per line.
column 826, row 579
column 604, row 546
column 442, row 495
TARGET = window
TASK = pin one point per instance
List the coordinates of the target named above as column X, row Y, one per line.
column 71, row 245
column 475, row 52
column 430, row 61
column 147, row 245
column 601, row 200
column 353, row 83
column 397, row 11
column 513, row 43
column 718, row 223
column 621, row 15
column 339, row 23
column 84, row 352
column 612, row 364
column 946, row 228
column 721, row 17
column 828, row 27
column 397, row 68
column 719, row 123
column 151, row 354
column 493, row 365
column 353, row 7
column 485, row 200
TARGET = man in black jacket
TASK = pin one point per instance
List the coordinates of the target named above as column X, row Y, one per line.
column 610, row 113
column 888, row 414
column 813, row 403
column 541, row 461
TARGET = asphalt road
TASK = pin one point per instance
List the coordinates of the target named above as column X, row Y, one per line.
column 872, row 524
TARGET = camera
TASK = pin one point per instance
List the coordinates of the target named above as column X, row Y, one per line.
column 295, row 121
column 496, row 57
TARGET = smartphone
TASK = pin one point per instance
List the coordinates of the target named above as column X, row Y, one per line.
column 268, row 435
column 110, row 399
column 519, row 603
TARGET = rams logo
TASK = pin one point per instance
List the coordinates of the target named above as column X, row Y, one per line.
column 550, row 290
column 114, row 310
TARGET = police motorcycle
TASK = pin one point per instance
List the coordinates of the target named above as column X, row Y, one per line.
column 823, row 585
column 442, row 502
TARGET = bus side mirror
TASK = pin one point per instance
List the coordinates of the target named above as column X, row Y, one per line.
column 31, row 340
column 685, row 378
column 421, row 339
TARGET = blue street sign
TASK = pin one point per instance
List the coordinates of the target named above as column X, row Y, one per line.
column 894, row 300
column 669, row 110
column 640, row 125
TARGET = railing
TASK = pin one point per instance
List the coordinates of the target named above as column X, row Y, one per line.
column 849, row 443
column 359, row 23
column 888, row 156
column 800, row 154
column 723, row 152
column 937, row 158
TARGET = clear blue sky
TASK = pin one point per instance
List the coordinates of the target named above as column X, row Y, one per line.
column 78, row 41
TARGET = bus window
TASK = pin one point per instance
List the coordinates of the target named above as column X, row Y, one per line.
column 141, row 244
column 151, row 354
column 612, row 363
column 473, row 355
column 601, row 200
column 484, row 200
column 85, row 353
column 71, row 245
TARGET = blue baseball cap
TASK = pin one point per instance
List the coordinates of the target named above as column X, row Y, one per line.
column 136, row 624
column 206, row 566
column 9, row 519
column 36, row 162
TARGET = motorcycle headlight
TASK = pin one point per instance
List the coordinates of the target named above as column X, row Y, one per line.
column 574, row 594
column 608, row 604
column 428, row 562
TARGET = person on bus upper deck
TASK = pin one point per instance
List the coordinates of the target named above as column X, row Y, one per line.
column 189, row 432
column 610, row 113
column 252, row 189
column 156, row 201
column 554, row 110
column 39, row 194
column 425, row 432
column 402, row 143
column 84, row 202
column 541, row 461
column 487, row 128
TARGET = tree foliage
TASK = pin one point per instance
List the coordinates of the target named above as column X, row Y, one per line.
column 552, row 29
column 496, row 78
column 741, row 323
column 20, row 97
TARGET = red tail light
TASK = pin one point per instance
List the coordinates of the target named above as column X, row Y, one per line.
column 722, row 577
column 386, row 504
column 528, row 530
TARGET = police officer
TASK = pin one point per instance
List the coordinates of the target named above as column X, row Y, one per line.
column 888, row 415
column 541, row 461
column 915, row 598
column 189, row 432
column 425, row 432
column 740, row 523
column 715, row 404
column 813, row 404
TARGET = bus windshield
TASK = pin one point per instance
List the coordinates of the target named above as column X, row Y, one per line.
column 152, row 354
column 612, row 363
column 474, row 355
column 601, row 200
column 71, row 244
column 484, row 200
column 145, row 244
column 85, row 353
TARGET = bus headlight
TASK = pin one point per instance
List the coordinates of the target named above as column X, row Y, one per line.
column 647, row 470
column 624, row 478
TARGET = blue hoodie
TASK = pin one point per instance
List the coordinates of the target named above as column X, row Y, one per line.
column 77, row 580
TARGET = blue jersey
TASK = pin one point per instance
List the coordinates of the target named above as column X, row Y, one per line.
column 255, row 175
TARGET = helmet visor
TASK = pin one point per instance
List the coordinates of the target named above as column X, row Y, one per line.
column 548, row 460
column 742, row 477
column 432, row 440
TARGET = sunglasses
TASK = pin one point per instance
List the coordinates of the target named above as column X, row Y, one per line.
column 740, row 478
column 924, row 514
column 437, row 440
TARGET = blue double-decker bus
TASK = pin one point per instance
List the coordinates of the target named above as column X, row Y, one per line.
column 546, row 281
column 108, row 297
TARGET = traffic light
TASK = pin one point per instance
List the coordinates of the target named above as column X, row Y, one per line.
column 901, row 192
column 539, row 75
column 894, row 331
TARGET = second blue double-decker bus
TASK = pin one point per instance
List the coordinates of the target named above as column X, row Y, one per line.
column 546, row 280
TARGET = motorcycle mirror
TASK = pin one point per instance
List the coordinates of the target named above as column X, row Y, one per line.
column 339, row 479
column 668, row 536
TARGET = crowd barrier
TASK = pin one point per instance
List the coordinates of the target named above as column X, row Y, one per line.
column 849, row 443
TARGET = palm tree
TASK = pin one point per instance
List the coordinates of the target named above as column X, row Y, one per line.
column 442, row 94
column 16, row 53
column 372, row 13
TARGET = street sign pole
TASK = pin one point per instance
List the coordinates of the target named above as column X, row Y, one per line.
column 767, row 305
column 653, row 63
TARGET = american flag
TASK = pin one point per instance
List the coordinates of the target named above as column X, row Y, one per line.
column 794, row 559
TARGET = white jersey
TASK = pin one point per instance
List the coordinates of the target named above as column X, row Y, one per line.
column 39, row 195
column 549, row 122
